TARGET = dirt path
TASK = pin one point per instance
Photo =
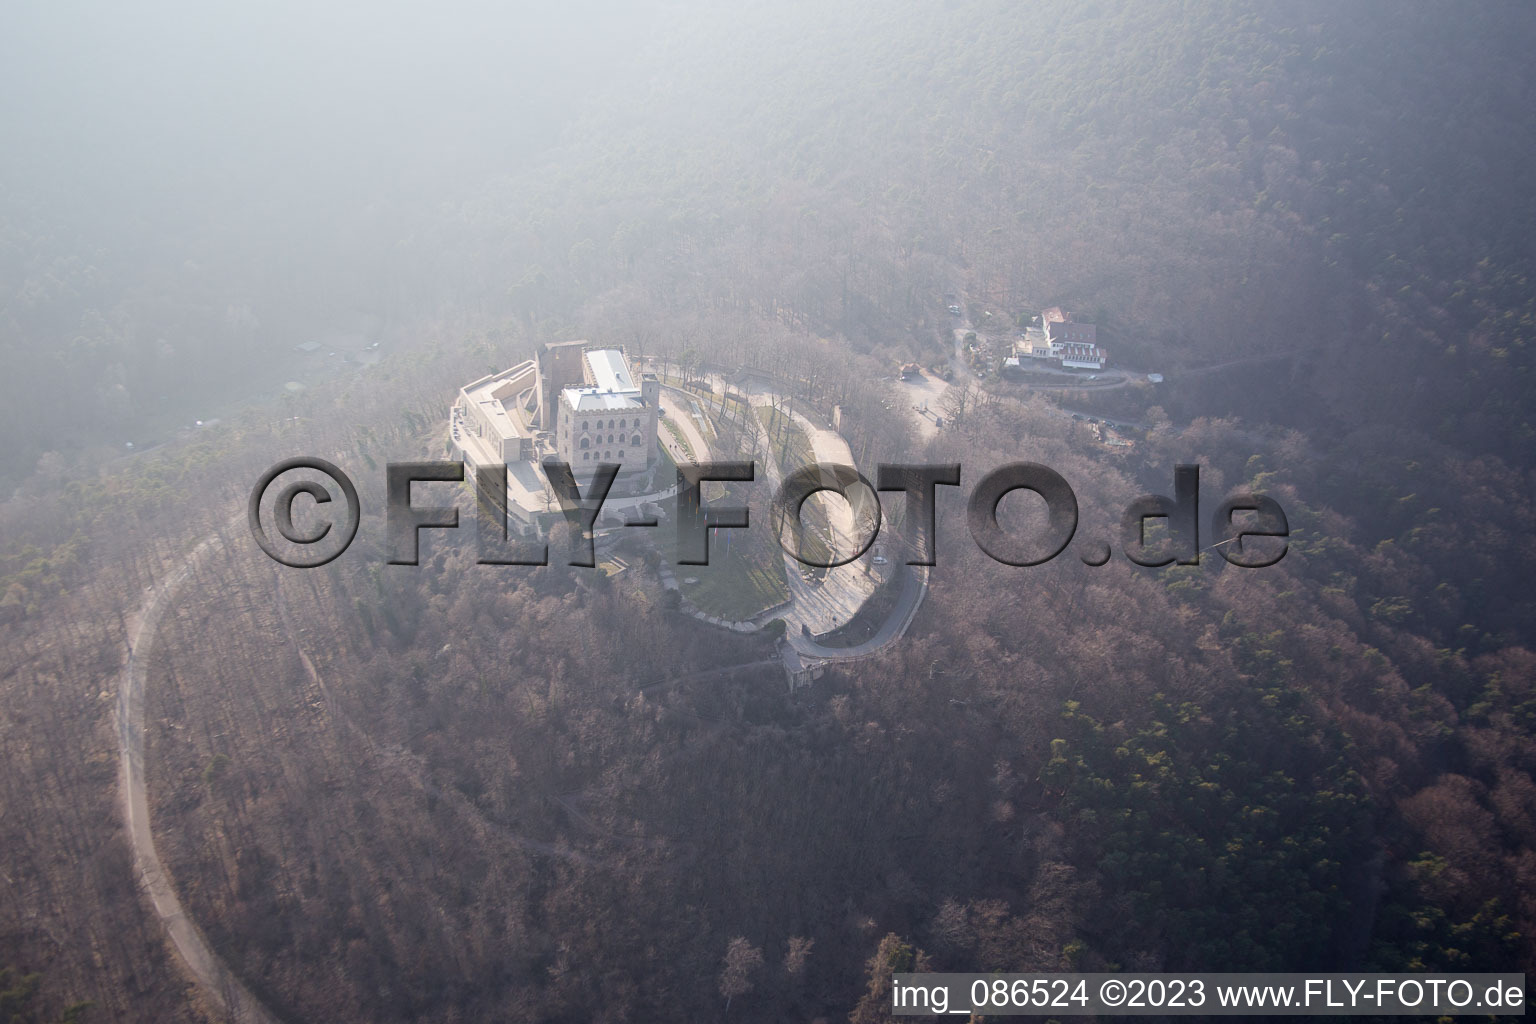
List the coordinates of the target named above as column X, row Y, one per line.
column 227, row 993
column 228, row 996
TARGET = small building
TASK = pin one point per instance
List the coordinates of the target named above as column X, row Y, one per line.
column 1060, row 337
column 1032, row 344
column 1082, row 355
column 800, row 671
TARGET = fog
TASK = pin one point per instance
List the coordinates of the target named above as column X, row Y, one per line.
column 1287, row 243
column 276, row 165
column 165, row 106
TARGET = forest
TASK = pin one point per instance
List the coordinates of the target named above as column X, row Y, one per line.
column 458, row 792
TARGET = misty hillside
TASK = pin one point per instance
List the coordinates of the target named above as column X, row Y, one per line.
column 1335, row 185
column 462, row 791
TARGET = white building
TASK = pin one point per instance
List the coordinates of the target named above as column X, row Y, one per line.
column 491, row 419
column 610, row 418
column 1060, row 337
column 572, row 402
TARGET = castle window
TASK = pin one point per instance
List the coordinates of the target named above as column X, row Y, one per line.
column 585, row 456
column 583, row 424
column 585, row 443
column 621, row 424
column 636, row 441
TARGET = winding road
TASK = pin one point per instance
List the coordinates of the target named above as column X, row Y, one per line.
column 220, row 983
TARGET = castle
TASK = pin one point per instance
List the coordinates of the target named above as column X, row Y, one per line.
column 574, row 401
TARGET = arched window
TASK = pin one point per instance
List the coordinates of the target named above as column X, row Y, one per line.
column 585, row 443
column 585, row 456
column 610, row 439
column 636, row 441
column 607, row 456
column 610, row 424
column 621, row 424
column 583, row 424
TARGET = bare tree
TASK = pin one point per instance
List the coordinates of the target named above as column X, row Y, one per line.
column 741, row 959
column 794, row 958
column 958, row 398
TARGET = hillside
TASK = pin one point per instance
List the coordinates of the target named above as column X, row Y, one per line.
column 461, row 791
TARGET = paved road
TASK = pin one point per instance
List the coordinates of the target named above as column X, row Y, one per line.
column 839, row 593
column 913, row 589
column 678, row 406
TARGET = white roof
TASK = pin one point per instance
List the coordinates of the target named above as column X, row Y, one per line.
column 610, row 370
column 592, row 399
column 612, row 389
column 491, row 394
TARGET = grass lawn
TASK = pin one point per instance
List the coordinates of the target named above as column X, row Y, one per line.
column 666, row 472
column 612, row 566
column 745, row 574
